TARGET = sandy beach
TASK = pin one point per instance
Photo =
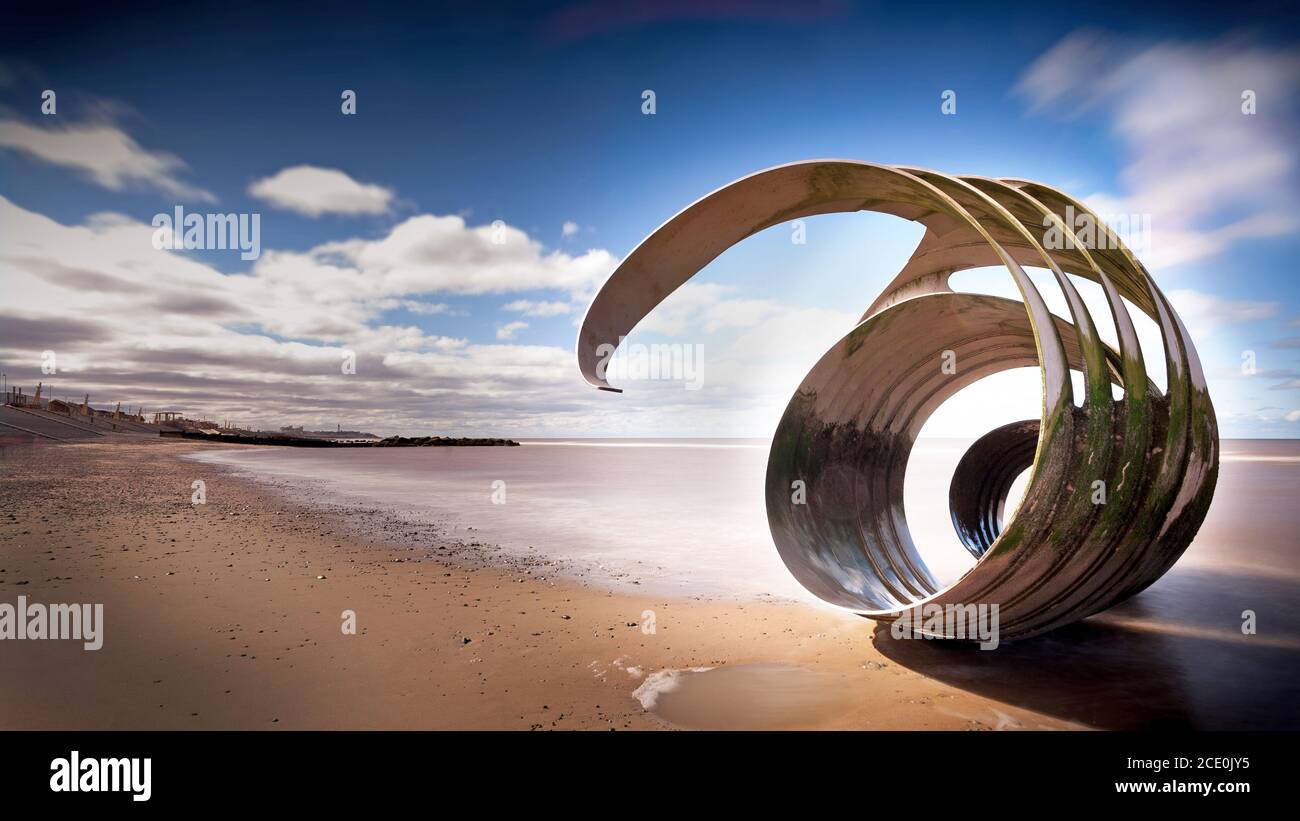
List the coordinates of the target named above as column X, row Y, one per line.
column 228, row 615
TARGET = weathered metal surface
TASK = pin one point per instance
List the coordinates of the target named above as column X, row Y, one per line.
column 849, row 429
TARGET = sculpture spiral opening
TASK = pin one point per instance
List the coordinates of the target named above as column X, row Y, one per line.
column 849, row 429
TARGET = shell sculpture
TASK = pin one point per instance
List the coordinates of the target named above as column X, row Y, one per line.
column 849, row 428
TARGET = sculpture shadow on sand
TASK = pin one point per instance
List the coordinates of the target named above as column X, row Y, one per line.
column 1173, row 657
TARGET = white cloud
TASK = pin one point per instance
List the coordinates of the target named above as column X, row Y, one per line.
column 315, row 191
column 163, row 329
column 707, row 307
column 103, row 153
column 508, row 330
column 415, row 306
column 441, row 254
column 1293, row 416
column 569, row 228
column 1205, row 312
column 529, row 307
column 1208, row 175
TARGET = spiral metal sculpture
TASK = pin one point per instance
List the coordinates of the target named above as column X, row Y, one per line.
column 850, row 427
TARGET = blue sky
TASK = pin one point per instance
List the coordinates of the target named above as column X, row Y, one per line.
column 532, row 116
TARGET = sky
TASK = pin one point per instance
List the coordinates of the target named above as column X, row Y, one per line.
column 446, row 238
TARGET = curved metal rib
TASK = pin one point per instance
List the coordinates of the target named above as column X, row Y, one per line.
column 849, row 429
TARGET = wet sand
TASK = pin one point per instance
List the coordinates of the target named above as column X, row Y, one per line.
column 215, row 618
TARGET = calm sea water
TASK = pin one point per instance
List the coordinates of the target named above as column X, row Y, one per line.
column 679, row 517
column 687, row 518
